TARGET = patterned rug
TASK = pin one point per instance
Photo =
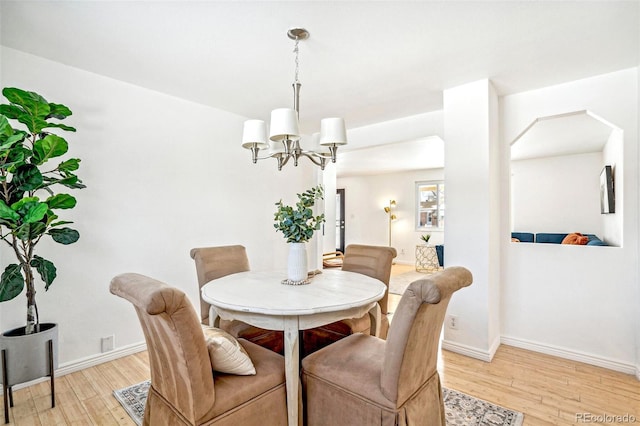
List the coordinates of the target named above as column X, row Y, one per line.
column 460, row 409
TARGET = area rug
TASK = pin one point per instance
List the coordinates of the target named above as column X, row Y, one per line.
column 460, row 409
column 399, row 283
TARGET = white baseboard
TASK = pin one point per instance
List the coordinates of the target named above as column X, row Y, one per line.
column 90, row 361
column 487, row 356
column 572, row 355
column 470, row 351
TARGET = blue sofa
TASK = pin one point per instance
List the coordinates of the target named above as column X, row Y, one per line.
column 553, row 238
column 528, row 237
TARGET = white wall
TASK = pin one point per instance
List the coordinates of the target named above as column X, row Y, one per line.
column 366, row 221
column 636, row 183
column 575, row 301
column 613, row 155
column 329, row 242
column 557, row 194
column 163, row 175
column 472, row 179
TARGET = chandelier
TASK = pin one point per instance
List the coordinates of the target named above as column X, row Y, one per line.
column 285, row 136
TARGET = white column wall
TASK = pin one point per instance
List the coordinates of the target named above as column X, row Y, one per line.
column 473, row 212
column 329, row 243
column 163, row 175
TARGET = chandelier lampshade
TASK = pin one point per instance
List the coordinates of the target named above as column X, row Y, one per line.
column 316, row 147
column 284, row 125
column 255, row 132
column 275, row 148
column 332, row 132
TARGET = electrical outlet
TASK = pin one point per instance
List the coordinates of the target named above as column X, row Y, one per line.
column 401, row 251
column 107, row 343
column 452, row 322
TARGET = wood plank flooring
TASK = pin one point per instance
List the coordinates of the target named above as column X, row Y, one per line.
column 549, row 390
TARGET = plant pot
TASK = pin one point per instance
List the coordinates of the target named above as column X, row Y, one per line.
column 26, row 357
column 297, row 262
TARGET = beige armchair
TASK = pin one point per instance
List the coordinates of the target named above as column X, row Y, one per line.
column 217, row 262
column 363, row 380
column 184, row 389
column 373, row 261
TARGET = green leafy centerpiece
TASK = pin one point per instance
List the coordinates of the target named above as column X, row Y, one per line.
column 298, row 225
column 28, row 199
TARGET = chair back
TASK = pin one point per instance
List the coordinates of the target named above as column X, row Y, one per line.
column 178, row 357
column 373, row 261
column 217, row 262
column 411, row 351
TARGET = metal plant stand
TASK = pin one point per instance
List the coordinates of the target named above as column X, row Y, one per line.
column 8, row 390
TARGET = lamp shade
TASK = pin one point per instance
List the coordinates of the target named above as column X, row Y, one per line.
column 284, row 124
column 276, row 147
column 316, row 147
column 254, row 131
column 333, row 132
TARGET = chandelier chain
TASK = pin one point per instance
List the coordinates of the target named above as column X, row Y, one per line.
column 295, row 50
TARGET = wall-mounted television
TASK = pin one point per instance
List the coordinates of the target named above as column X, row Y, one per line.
column 607, row 196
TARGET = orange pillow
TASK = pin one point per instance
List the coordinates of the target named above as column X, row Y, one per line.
column 575, row 238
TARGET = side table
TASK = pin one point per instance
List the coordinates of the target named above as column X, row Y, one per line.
column 426, row 258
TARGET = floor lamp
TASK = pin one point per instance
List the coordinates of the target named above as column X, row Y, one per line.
column 392, row 217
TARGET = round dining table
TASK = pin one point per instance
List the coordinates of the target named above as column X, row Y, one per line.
column 261, row 299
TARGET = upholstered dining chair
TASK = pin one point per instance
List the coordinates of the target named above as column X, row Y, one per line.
column 217, row 262
column 373, row 261
column 363, row 380
column 185, row 389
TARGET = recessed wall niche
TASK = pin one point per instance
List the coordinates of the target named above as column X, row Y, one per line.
column 556, row 163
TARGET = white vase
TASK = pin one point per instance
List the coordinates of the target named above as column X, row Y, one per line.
column 297, row 262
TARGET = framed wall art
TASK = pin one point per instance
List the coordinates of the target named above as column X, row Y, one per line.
column 607, row 195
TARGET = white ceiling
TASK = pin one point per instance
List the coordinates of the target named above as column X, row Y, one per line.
column 417, row 154
column 366, row 61
column 578, row 132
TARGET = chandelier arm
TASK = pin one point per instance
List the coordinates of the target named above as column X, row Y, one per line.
column 283, row 159
column 274, row 155
column 312, row 156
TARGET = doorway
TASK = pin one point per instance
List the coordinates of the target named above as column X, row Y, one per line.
column 340, row 222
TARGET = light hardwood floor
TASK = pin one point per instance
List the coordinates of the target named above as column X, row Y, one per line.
column 549, row 390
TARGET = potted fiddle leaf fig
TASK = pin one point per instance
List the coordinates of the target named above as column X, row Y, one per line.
column 33, row 191
column 298, row 225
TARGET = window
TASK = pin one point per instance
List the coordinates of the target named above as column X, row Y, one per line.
column 429, row 205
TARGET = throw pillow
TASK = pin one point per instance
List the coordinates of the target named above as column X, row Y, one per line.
column 575, row 238
column 226, row 353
